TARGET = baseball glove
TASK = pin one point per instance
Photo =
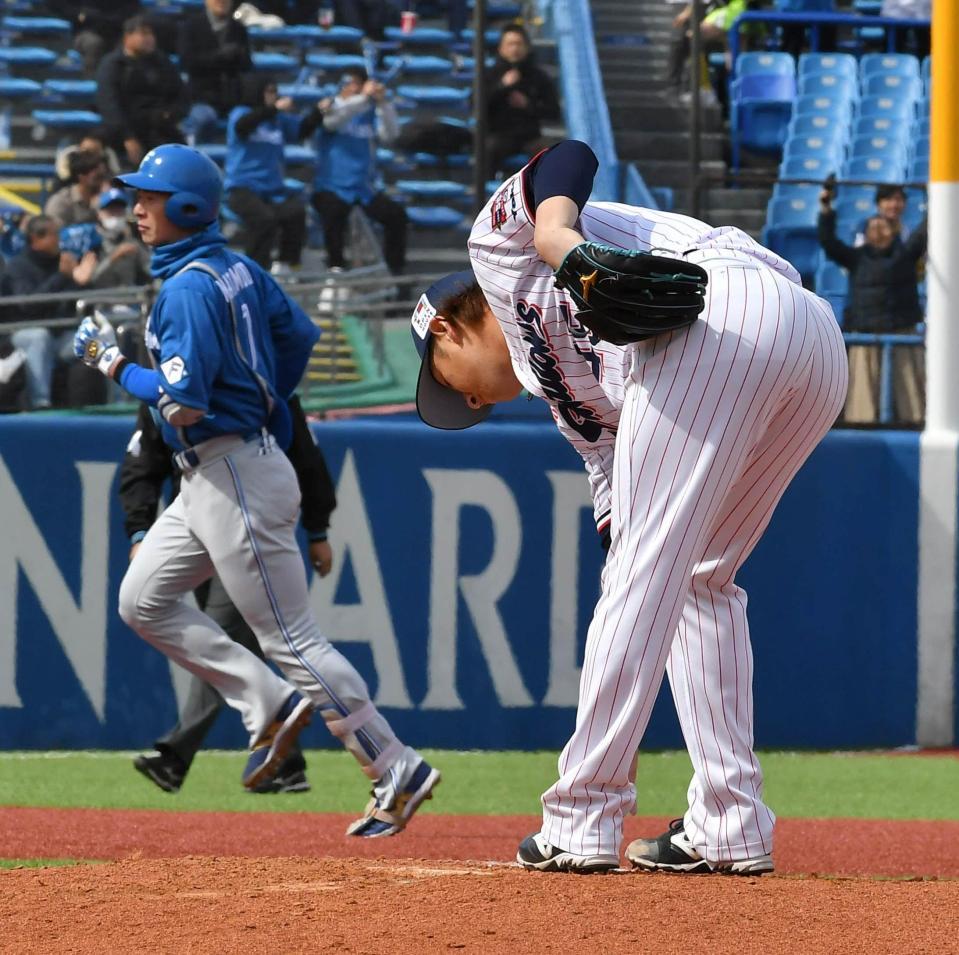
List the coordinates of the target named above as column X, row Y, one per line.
column 625, row 296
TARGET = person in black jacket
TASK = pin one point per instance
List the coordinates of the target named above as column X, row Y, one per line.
column 214, row 50
column 519, row 96
column 139, row 93
column 883, row 298
column 147, row 465
column 43, row 269
column 97, row 25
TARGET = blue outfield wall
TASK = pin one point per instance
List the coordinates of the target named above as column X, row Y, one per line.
column 467, row 568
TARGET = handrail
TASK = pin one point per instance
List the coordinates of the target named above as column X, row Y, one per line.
column 814, row 21
column 886, row 343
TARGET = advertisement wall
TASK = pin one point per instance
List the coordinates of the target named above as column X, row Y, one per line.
column 466, row 570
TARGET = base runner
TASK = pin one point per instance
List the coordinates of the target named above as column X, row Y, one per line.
column 694, row 374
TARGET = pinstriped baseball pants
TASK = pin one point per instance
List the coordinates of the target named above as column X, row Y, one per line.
column 716, row 422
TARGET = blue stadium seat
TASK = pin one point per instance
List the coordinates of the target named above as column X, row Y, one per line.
column 761, row 106
column 828, row 147
column 902, row 109
column 434, row 95
column 491, row 36
column 765, row 63
column 816, row 124
column 875, row 169
column 888, row 64
column 421, row 36
column 275, row 62
column 303, row 94
column 435, row 217
column 920, row 146
column 894, row 146
column 918, row 169
column 83, row 91
column 795, row 190
column 829, row 84
column 334, row 62
column 419, row 65
column 925, row 73
column 891, row 84
column 883, row 125
column 26, row 56
column 798, row 244
column 431, row 188
column 67, row 118
column 868, row 8
column 838, row 107
column 915, row 211
column 296, row 155
column 433, row 161
column 832, row 284
column 840, row 64
column 16, row 87
column 814, row 168
column 852, row 211
column 805, row 6
column 36, row 26
column 922, row 127
column 307, row 34
column 792, row 211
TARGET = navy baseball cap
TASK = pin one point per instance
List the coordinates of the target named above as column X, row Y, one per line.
column 437, row 405
column 111, row 196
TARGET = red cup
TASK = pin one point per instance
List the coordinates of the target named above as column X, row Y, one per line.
column 408, row 20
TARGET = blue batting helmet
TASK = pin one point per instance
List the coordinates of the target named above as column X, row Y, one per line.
column 192, row 179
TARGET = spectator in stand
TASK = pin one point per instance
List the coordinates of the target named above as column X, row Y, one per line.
column 256, row 135
column 359, row 116
column 76, row 203
column 519, row 97
column 97, row 25
column 123, row 260
column 42, row 269
column 890, row 204
column 370, row 16
column 214, row 50
column 883, row 298
column 93, row 141
column 139, row 93
column 915, row 40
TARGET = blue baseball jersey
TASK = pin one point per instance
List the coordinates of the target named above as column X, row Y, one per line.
column 230, row 346
column 256, row 161
column 346, row 159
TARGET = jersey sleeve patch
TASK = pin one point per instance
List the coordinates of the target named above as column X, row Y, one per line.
column 422, row 316
column 174, row 370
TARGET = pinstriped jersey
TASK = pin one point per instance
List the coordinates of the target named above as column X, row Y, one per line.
column 553, row 355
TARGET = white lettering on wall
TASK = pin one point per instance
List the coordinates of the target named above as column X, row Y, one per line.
column 81, row 627
column 570, row 498
column 369, row 621
column 452, row 491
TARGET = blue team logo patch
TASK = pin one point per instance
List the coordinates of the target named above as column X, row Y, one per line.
column 174, row 370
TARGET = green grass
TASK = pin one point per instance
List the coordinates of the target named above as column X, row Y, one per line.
column 797, row 784
column 44, row 863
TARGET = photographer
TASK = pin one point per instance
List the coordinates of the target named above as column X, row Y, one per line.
column 883, row 298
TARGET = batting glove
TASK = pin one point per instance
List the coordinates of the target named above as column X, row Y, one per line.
column 96, row 346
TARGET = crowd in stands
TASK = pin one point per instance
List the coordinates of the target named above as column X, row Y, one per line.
column 193, row 79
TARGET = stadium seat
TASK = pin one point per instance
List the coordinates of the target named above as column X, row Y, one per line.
column 74, row 119
column 334, row 62
column 792, row 211
column 816, row 124
column 798, row 244
column 852, row 211
column 435, row 217
column 17, row 87
column 421, row 36
column 805, row 6
column 35, row 26
column 889, row 106
column 888, row 64
column 304, row 94
column 925, row 74
column 765, row 63
column 876, row 125
column 868, row 8
column 761, row 106
column 840, row 64
column 813, row 168
column 922, row 127
column 837, row 107
column 307, row 35
column 920, row 146
column 434, row 95
column 83, row 91
column 419, row 65
column 433, row 161
column 918, row 169
column 875, row 169
column 431, row 188
column 829, row 84
column 275, row 62
column 891, row 84
column 914, row 212
column 794, row 190
column 889, row 146
column 832, row 284
column 491, row 36
column 12, row 56
column 828, row 147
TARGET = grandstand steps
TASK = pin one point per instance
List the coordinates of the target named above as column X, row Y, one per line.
column 652, row 144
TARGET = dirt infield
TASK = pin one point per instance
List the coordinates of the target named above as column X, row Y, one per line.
column 222, row 882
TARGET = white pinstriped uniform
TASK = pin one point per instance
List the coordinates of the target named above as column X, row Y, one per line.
column 689, row 439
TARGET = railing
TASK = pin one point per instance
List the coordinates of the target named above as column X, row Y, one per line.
column 885, row 343
column 814, row 22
